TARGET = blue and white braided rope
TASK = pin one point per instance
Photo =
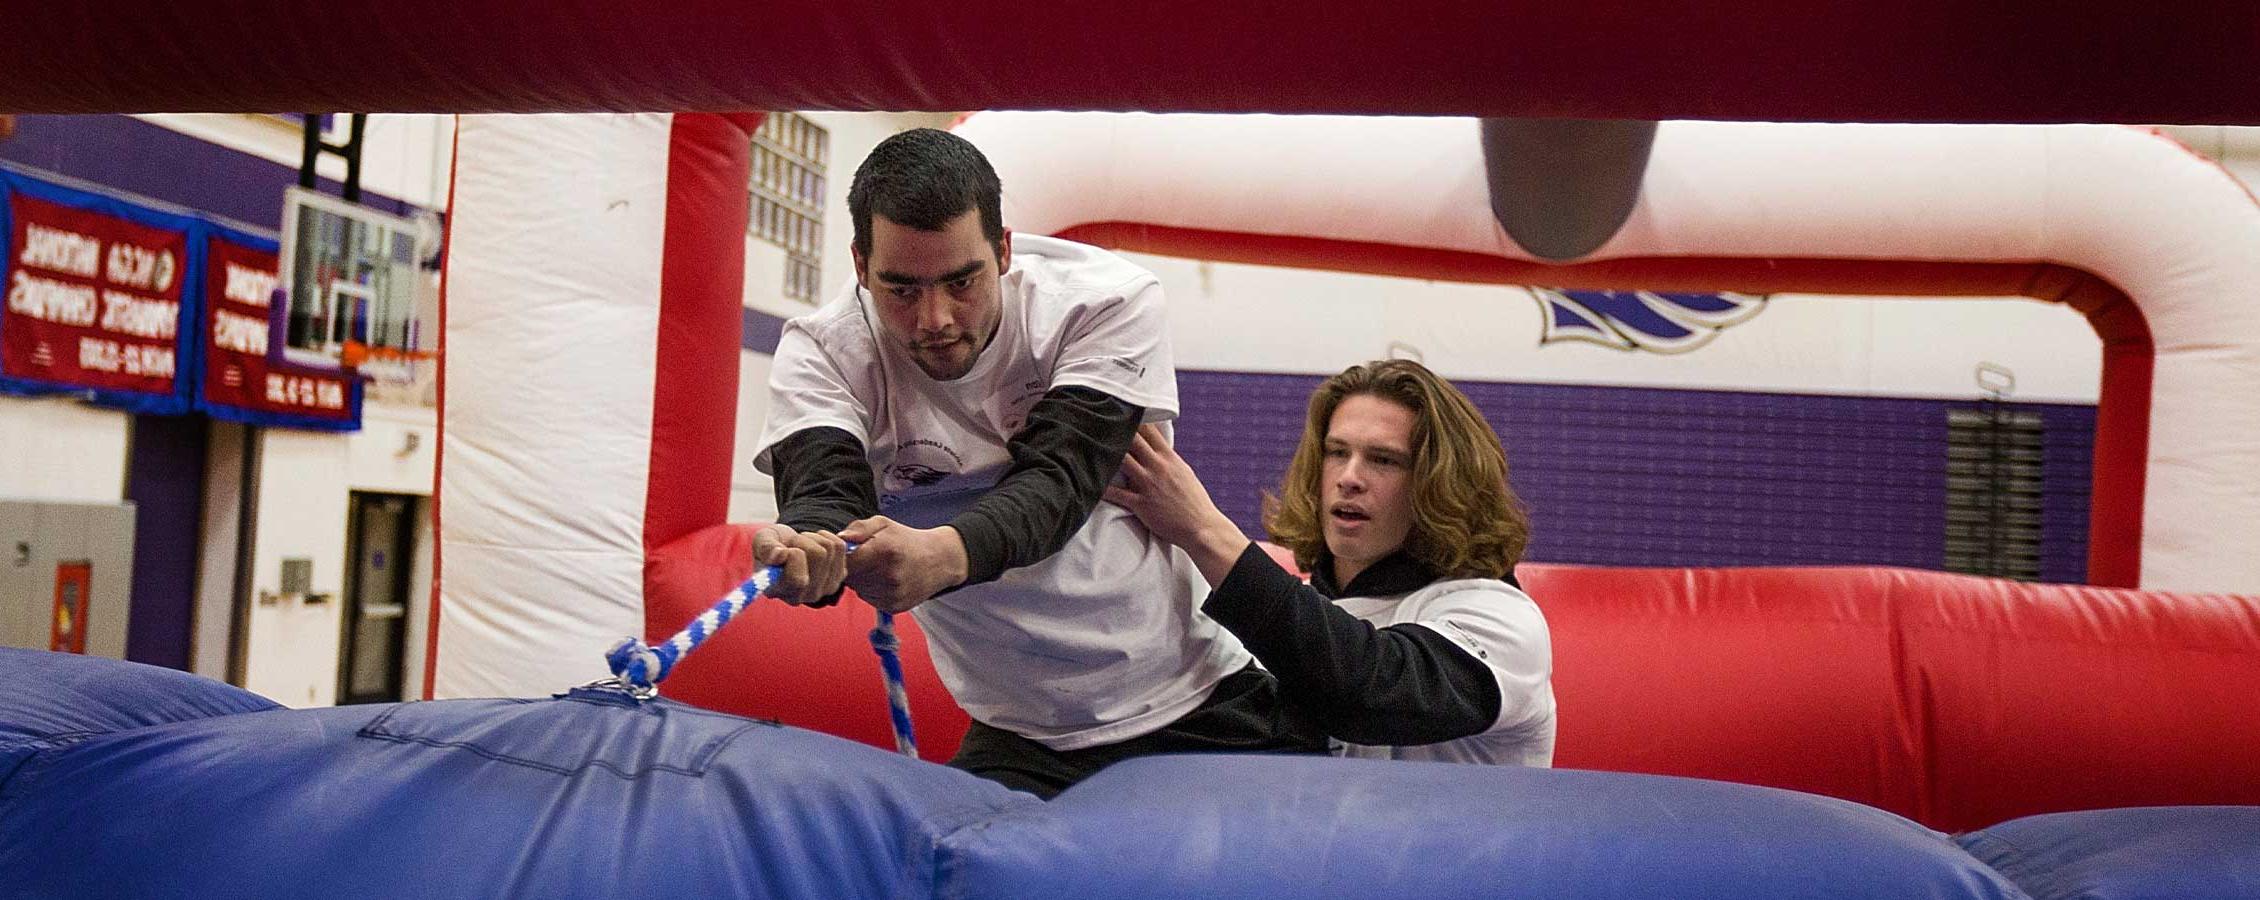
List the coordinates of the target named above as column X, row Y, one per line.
column 644, row 666
column 884, row 643
column 640, row 666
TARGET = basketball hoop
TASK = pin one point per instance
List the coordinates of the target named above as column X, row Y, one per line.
column 384, row 365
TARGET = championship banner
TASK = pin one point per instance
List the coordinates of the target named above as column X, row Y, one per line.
column 242, row 379
column 98, row 297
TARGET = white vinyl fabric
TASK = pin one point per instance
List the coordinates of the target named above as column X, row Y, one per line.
column 2174, row 231
column 552, row 315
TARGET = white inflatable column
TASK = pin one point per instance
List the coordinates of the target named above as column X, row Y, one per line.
column 591, row 327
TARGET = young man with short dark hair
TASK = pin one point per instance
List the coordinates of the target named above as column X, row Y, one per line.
column 956, row 414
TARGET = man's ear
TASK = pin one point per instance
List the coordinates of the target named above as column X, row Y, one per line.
column 1004, row 253
column 860, row 266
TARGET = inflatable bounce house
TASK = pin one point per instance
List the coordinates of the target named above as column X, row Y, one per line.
column 1725, row 733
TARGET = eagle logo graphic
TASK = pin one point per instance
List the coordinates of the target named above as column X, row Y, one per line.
column 1654, row 321
column 916, row 475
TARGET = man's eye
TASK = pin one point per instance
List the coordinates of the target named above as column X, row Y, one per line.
column 962, row 283
column 903, row 293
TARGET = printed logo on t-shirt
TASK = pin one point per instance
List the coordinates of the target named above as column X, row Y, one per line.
column 921, row 462
column 916, row 475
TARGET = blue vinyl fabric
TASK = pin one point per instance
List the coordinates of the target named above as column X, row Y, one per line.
column 125, row 780
column 52, row 700
column 2142, row 853
column 583, row 796
column 1241, row 826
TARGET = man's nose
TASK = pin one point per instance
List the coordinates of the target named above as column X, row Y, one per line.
column 934, row 311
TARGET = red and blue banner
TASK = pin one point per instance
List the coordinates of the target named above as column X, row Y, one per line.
column 98, row 290
column 148, row 310
column 242, row 380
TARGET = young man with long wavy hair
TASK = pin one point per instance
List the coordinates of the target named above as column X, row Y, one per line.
column 1412, row 639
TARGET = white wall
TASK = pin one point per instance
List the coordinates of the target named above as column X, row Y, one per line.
column 394, row 451
column 765, row 279
column 306, row 479
column 2235, row 147
column 293, row 647
column 213, row 632
column 419, row 606
column 1257, row 318
column 406, row 157
column 61, row 449
column 853, row 135
column 752, row 494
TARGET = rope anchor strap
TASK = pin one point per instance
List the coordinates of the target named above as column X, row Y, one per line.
column 639, row 667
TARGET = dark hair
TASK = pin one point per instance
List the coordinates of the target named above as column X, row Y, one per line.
column 1467, row 521
column 923, row 178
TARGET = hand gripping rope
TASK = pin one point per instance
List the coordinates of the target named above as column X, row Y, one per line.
column 638, row 667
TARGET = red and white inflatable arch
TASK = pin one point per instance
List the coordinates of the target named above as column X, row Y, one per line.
column 592, row 340
column 592, row 325
column 2155, row 244
column 593, row 291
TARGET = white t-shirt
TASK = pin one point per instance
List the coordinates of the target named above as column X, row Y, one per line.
column 1502, row 627
column 1103, row 641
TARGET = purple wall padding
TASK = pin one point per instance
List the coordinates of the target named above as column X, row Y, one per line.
column 165, row 481
column 126, row 154
column 1656, row 477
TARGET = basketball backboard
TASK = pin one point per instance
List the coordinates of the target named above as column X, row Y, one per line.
column 350, row 294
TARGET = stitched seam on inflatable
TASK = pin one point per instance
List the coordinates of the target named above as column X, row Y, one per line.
column 41, row 755
column 947, row 862
column 700, row 760
column 2011, row 862
column 696, row 770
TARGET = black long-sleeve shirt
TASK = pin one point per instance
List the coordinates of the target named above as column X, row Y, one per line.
column 1062, row 458
column 1401, row 685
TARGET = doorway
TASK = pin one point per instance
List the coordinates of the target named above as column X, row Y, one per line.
column 380, row 546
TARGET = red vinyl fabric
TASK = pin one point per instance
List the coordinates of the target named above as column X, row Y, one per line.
column 702, row 284
column 1956, row 701
column 1783, row 60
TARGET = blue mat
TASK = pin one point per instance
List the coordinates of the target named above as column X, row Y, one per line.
column 590, row 795
column 1302, row 827
column 2148, row 853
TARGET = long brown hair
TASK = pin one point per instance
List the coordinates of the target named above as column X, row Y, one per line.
column 1467, row 521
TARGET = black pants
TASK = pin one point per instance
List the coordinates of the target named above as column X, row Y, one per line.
column 1244, row 714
